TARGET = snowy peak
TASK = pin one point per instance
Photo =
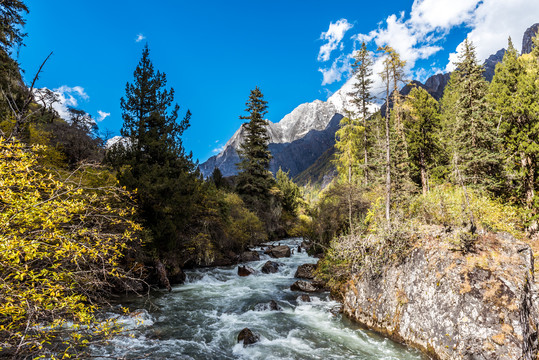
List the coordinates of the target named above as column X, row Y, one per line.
column 304, row 118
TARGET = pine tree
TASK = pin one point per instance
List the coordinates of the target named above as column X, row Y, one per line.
column 153, row 159
column 422, row 127
column 361, row 97
column 475, row 152
column 254, row 179
column 514, row 97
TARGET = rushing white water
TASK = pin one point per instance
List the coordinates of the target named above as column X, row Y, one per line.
column 202, row 318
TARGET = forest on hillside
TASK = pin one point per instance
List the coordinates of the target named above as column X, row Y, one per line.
column 82, row 222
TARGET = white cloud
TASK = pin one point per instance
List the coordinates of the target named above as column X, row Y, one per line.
column 218, row 150
column 340, row 66
column 496, row 20
column 421, row 33
column 102, row 115
column 140, row 37
column 66, row 97
column 334, row 36
column 428, row 15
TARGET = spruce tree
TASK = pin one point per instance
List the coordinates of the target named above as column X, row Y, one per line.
column 11, row 23
column 254, row 179
column 475, row 152
column 152, row 159
column 422, row 126
column 361, row 97
column 514, row 97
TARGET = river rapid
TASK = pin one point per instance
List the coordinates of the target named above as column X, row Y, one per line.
column 202, row 318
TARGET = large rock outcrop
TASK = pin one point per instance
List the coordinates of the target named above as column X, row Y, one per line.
column 527, row 38
column 481, row 305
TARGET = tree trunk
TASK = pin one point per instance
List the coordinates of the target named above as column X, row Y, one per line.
column 388, row 165
column 366, row 165
column 423, row 172
column 350, row 198
column 529, row 180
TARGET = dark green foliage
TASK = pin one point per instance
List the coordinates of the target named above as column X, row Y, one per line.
column 290, row 193
column 254, row 179
column 152, row 159
column 361, row 97
column 474, row 143
column 218, row 180
column 11, row 22
column 422, row 125
column 514, row 97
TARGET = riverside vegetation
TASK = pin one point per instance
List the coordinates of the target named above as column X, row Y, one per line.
column 80, row 221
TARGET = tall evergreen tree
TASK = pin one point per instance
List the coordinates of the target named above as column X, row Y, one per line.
column 361, row 97
column 153, row 159
column 514, row 97
column 11, row 23
column 475, row 152
column 254, row 179
column 422, row 127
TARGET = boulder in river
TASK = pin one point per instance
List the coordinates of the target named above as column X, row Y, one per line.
column 270, row 306
column 245, row 270
column 305, row 298
column 248, row 337
column 305, row 286
column 270, row 267
column 249, row 256
column 305, row 271
column 280, row 251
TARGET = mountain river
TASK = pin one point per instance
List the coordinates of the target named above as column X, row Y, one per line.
column 202, row 318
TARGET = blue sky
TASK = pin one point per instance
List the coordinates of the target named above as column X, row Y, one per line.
column 215, row 52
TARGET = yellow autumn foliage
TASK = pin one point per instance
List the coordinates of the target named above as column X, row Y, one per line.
column 60, row 247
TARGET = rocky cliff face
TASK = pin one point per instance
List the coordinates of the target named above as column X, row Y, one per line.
column 479, row 306
column 490, row 64
column 527, row 42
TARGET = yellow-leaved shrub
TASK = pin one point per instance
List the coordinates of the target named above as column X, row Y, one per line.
column 61, row 242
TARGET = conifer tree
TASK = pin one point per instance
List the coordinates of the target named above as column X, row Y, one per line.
column 422, row 127
column 152, row 159
column 474, row 141
column 11, row 23
column 254, row 179
column 362, row 97
column 514, row 97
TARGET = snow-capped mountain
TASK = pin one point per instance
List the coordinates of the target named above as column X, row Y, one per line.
column 308, row 117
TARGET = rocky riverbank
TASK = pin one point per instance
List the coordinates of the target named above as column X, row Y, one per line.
column 451, row 305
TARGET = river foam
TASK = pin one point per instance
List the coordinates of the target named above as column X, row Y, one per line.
column 202, row 318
